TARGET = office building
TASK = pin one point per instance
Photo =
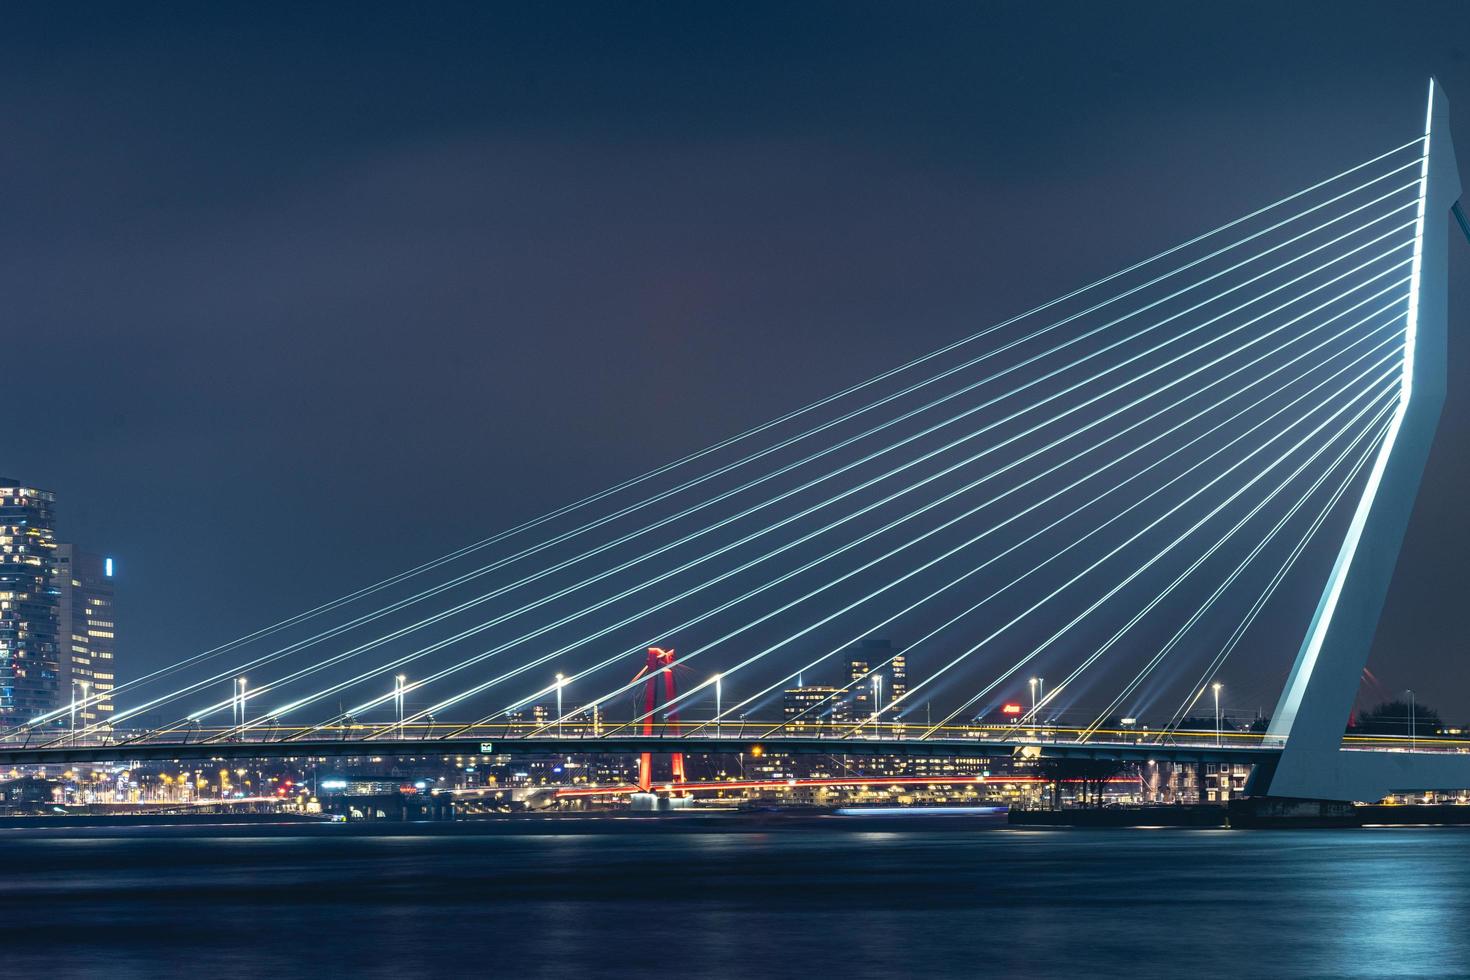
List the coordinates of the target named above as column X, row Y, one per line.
column 811, row 708
column 87, row 631
column 30, row 683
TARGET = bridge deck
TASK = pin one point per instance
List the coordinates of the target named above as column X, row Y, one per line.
column 625, row 745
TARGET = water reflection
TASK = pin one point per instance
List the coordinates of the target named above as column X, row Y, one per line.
column 1364, row 903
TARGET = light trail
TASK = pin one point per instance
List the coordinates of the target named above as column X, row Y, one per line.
column 994, row 782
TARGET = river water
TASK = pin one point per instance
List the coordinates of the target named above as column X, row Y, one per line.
column 981, row 901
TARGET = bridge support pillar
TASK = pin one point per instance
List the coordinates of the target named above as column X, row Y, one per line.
column 1313, row 711
column 660, row 661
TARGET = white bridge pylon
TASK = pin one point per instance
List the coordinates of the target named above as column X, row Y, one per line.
column 1323, row 684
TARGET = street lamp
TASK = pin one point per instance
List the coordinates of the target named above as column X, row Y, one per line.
column 1413, row 726
column 1034, row 682
column 718, row 679
column 1216, row 688
column 877, row 701
column 240, row 687
column 398, row 700
column 85, row 685
column 72, row 725
column 560, row 682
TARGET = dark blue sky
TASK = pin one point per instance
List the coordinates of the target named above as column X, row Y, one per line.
column 295, row 298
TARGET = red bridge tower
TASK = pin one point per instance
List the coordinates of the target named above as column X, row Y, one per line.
column 660, row 661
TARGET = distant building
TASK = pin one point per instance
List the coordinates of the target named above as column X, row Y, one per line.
column 860, row 690
column 30, row 790
column 894, row 668
column 898, row 678
column 30, row 682
column 88, row 631
column 811, row 708
column 585, row 725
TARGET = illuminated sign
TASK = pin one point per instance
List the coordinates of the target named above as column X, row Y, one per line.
column 1010, row 708
column 487, row 748
column 107, row 563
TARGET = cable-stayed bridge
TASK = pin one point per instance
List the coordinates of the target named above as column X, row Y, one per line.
column 1069, row 533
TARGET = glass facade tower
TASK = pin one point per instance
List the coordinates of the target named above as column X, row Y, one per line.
column 30, row 651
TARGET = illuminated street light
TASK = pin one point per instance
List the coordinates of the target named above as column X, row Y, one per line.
column 1413, row 726
column 560, row 683
column 877, row 700
column 1216, row 688
column 718, row 679
column 240, row 699
column 84, row 685
column 398, row 699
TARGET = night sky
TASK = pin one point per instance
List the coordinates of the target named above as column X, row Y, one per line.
column 295, row 299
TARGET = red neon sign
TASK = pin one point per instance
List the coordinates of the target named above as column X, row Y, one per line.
column 1010, row 708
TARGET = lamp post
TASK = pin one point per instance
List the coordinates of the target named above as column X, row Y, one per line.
column 877, row 701
column 1413, row 726
column 72, row 724
column 240, row 685
column 718, row 679
column 398, row 701
column 560, row 682
column 1216, row 688
column 85, row 685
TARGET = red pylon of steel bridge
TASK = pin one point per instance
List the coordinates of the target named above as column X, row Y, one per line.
column 660, row 661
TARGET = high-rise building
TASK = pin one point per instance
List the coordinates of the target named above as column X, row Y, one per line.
column 88, row 631
column 29, row 648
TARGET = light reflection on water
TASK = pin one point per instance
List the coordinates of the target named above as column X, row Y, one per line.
column 1365, row 903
